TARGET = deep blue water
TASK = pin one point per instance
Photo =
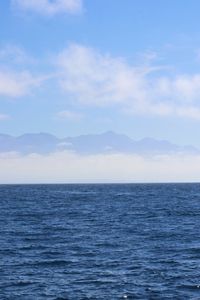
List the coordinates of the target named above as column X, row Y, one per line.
column 100, row 241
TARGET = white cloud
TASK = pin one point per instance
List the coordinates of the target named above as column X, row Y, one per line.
column 92, row 78
column 4, row 117
column 19, row 72
column 69, row 115
column 13, row 54
column 69, row 167
column 49, row 7
column 97, row 79
column 16, row 77
column 17, row 84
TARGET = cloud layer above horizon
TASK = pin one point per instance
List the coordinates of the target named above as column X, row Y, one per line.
column 66, row 167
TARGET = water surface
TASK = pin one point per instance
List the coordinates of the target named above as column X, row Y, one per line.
column 100, row 241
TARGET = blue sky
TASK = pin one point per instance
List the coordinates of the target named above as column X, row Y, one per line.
column 72, row 67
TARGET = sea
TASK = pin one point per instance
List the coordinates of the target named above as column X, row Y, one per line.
column 100, row 241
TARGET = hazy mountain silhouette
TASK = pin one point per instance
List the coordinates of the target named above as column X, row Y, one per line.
column 108, row 142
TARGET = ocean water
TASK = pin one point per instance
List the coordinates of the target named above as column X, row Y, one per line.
column 134, row 241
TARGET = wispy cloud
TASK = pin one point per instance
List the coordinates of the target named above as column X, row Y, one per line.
column 48, row 7
column 4, row 117
column 97, row 79
column 13, row 54
column 91, row 78
column 20, row 73
column 17, row 84
column 69, row 115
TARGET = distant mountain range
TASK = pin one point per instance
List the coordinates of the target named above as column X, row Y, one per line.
column 108, row 142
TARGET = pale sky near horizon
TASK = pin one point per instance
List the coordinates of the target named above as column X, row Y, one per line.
column 71, row 67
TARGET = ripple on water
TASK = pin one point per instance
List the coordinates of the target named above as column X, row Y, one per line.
column 100, row 242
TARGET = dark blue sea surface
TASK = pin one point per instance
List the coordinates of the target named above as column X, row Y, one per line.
column 134, row 241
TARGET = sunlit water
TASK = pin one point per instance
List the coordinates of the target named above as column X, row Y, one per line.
column 100, row 241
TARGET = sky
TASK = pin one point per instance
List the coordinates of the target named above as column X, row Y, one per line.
column 72, row 67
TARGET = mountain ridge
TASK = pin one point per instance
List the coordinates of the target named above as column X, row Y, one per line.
column 106, row 142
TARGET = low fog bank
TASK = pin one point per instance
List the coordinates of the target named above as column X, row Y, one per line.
column 65, row 167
